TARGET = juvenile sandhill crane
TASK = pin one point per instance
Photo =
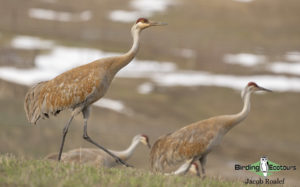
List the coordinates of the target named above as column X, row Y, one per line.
column 80, row 87
column 98, row 157
column 195, row 141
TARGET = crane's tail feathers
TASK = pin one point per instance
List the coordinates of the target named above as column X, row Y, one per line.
column 32, row 103
column 156, row 158
column 163, row 154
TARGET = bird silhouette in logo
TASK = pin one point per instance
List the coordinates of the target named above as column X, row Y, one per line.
column 264, row 165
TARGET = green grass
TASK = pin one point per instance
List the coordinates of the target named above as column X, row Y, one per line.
column 21, row 172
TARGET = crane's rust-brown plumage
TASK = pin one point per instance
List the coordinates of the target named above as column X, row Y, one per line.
column 79, row 87
column 195, row 141
column 72, row 89
column 186, row 143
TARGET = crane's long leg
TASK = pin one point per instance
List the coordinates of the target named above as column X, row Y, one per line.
column 87, row 138
column 65, row 131
column 203, row 163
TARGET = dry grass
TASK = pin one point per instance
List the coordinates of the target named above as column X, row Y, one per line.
column 20, row 172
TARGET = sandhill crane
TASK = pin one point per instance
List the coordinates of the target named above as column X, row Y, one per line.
column 98, row 157
column 194, row 169
column 79, row 87
column 195, row 141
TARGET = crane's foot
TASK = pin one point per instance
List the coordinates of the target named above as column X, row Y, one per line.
column 120, row 161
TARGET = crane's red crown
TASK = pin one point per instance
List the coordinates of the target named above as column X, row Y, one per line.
column 252, row 84
column 142, row 20
column 146, row 137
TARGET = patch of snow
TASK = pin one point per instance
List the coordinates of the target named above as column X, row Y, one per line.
column 29, row 42
column 111, row 104
column 150, row 6
column 250, row 60
column 283, row 67
column 47, row 14
column 244, row 59
column 293, row 56
column 195, row 78
column 141, row 8
column 24, row 77
column 145, row 88
column 124, row 16
column 145, row 68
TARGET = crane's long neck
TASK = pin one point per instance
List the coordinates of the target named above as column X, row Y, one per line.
column 123, row 60
column 126, row 154
column 237, row 118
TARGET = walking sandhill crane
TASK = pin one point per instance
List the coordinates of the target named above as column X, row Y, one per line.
column 80, row 87
column 195, row 141
column 99, row 157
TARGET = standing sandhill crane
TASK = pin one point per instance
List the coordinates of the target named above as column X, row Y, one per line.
column 195, row 141
column 80, row 87
column 99, row 157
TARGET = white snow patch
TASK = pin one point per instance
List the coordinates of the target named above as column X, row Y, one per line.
column 111, row 104
column 29, row 42
column 146, row 88
column 141, row 8
column 293, row 56
column 283, row 67
column 146, row 68
column 195, row 78
column 150, row 6
column 124, row 16
column 244, row 59
column 22, row 76
column 48, row 14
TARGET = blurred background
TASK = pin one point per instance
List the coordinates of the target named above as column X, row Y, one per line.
column 190, row 70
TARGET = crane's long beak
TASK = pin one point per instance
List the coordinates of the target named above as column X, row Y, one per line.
column 264, row 89
column 153, row 23
column 148, row 144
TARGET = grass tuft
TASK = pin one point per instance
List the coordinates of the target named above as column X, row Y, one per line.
column 22, row 172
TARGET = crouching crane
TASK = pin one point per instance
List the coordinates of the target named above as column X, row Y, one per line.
column 98, row 157
column 195, row 141
column 78, row 88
